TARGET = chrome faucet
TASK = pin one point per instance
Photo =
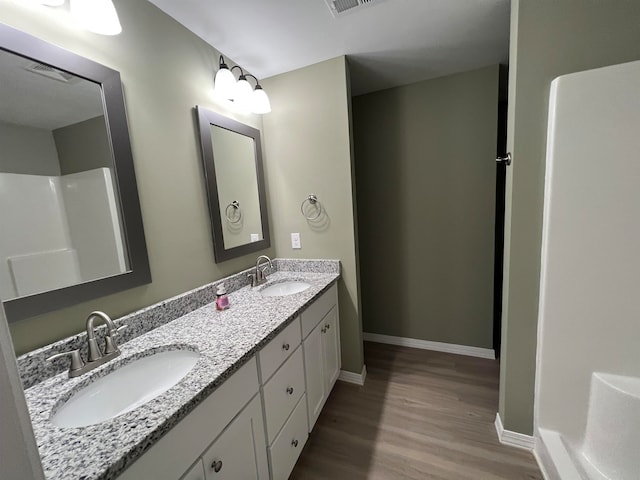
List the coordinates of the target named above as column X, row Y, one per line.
column 109, row 340
column 259, row 277
column 95, row 357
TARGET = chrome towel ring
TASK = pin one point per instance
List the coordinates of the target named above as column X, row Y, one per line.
column 312, row 200
column 233, row 208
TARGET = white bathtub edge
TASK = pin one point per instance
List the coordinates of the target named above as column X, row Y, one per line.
column 553, row 458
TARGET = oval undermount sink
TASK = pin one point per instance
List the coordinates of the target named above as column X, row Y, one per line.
column 126, row 388
column 284, row 288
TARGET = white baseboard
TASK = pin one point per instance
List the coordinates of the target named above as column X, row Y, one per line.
column 513, row 439
column 356, row 378
column 428, row 345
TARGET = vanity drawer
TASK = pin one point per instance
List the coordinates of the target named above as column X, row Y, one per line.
column 318, row 309
column 289, row 443
column 282, row 393
column 279, row 349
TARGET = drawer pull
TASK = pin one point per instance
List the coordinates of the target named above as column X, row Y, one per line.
column 290, row 390
column 294, row 443
column 285, row 347
column 217, row 465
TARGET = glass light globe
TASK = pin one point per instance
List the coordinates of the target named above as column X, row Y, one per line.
column 97, row 16
column 48, row 3
column 224, row 83
column 243, row 94
column 261, row 103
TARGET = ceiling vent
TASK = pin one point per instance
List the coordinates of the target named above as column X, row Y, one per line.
column 342, row 7
column 50, row 72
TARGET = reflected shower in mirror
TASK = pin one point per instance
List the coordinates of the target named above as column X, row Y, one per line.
column 232, row 158
column 63, row 226
column 68, row 233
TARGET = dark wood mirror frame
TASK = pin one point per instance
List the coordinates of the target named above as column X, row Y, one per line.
column 206, row 118
column 25, row 45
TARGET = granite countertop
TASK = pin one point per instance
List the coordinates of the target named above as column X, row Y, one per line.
column 225, row 340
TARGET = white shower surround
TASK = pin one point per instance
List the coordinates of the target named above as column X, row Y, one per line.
column 590, row 275
column 73, row 233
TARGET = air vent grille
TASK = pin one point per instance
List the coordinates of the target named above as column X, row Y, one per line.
column 50, row 72
column 341, row 7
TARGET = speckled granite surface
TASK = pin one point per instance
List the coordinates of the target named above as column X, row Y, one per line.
column 226, row 340
column 34, row 368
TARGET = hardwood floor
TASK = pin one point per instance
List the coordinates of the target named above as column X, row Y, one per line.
column 420, row 415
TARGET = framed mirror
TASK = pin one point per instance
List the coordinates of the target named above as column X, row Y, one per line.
column 70, row 214
column 232, row 158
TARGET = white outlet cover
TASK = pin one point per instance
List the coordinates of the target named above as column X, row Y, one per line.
column 255, row 237
column 295, row 241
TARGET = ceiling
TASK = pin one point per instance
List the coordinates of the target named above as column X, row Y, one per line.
column 39, row 101
column 388, row 42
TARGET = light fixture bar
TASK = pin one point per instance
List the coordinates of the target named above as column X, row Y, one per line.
column 240, row 92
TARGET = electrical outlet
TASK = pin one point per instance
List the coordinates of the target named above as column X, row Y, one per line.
column 255, row 237
column 295, row 240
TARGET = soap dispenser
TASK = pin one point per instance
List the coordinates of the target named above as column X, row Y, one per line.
column 222, row 300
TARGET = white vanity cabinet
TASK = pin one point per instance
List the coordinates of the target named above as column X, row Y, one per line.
column 283, row 394
column 321, row 347
column 236, row 453
column 196, row 472
column 224, row 433
column 255, row 425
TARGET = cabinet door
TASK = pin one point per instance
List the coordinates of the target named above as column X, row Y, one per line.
column 331, row 349
column 240, row 451
column 314, row 373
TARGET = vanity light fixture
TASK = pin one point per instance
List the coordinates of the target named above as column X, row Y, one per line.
column 48, row 3
column 97, row 16
column 244, row 96
column 224, row 81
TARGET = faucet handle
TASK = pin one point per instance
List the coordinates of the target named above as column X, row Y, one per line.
column 114, row 332
column 76, row 359
column 110, row 340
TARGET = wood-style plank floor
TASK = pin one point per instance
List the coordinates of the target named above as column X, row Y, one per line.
column 421, row 415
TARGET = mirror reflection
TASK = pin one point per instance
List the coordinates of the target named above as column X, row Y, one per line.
column 234, row 160
column 60, row 214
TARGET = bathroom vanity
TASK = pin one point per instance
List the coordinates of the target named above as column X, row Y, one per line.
column 266, row 368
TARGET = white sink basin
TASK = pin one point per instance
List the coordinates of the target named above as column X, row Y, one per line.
column 126, row 388
column 284, row 288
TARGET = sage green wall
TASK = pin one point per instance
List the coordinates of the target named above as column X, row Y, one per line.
column 548, row 38
column 74, row 141
column 307, row 150
column 166, row 70
column 426, row 177
column 27, row 150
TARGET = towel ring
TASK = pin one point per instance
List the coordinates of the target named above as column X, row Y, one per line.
column 312, row 200
column 236, row 208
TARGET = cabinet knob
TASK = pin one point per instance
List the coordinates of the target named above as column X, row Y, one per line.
column 324, row 330
column 327, row 326
column 290, row 390
column 285, row 347
column 294, row 443
column 216, row 465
